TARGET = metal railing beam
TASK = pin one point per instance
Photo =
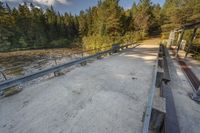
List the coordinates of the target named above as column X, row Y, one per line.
column 19, row 80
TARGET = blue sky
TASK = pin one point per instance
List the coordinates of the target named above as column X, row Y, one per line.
column 128, row 3
column 73, row 6
column 77, row 5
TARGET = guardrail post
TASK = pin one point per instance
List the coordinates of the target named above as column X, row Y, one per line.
column 55, row 61
column 83, row 63
column 196, row 95
column 56, row 73
column 166, row 76
column 109, row 53
column 115, row 48
column 59, row 72
column 99, row 57
column 4, row 76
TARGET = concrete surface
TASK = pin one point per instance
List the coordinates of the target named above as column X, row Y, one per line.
column 188, row 111
column 106, row 96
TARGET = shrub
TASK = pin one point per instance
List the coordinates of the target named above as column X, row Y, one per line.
column 97, row 42
column 128, row 37
column 133, row 36
column 60, row 43
column 165, row 35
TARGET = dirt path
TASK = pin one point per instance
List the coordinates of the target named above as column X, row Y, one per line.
column 151, row 41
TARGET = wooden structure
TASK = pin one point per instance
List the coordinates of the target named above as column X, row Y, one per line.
column 193, row 26
column 191, row 76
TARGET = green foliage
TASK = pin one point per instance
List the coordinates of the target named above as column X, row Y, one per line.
column 128, row 37
column 97, row 42
column 144, row 16
column 60, row 43
column 133, row 36
column 112, row 24
column 22, row 42
column 197, row 57
column 165, row 35
column 178, row 12
column 109, row 18
column 30, row 28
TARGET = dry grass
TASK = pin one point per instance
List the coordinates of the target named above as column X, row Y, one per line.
column 41, row 52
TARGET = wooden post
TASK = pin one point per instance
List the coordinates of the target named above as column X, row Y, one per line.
column 179, row 41
column 191, row 40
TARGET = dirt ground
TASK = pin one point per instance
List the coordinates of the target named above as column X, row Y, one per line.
column 105, row 96
column 41, row 52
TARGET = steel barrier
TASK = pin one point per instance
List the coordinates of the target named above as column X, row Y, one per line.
column 16, row 81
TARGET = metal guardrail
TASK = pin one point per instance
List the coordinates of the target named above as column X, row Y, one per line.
column 171, row 124
column 148, row 111
column 161, row 63
column 166, row 76
column 13, row 82
column 11, row 70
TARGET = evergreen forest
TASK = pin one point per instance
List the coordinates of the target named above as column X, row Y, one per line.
column 30, row 27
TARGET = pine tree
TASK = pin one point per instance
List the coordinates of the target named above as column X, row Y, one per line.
column 30, row 27
column 155, row 27
column 83, row 24
column 6, row 24
column 38, row 27
column 109, row 18
column 143, row 17
column 133, row 13
column 176, row 13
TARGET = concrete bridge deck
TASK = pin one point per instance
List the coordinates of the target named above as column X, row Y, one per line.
column 108, row 95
